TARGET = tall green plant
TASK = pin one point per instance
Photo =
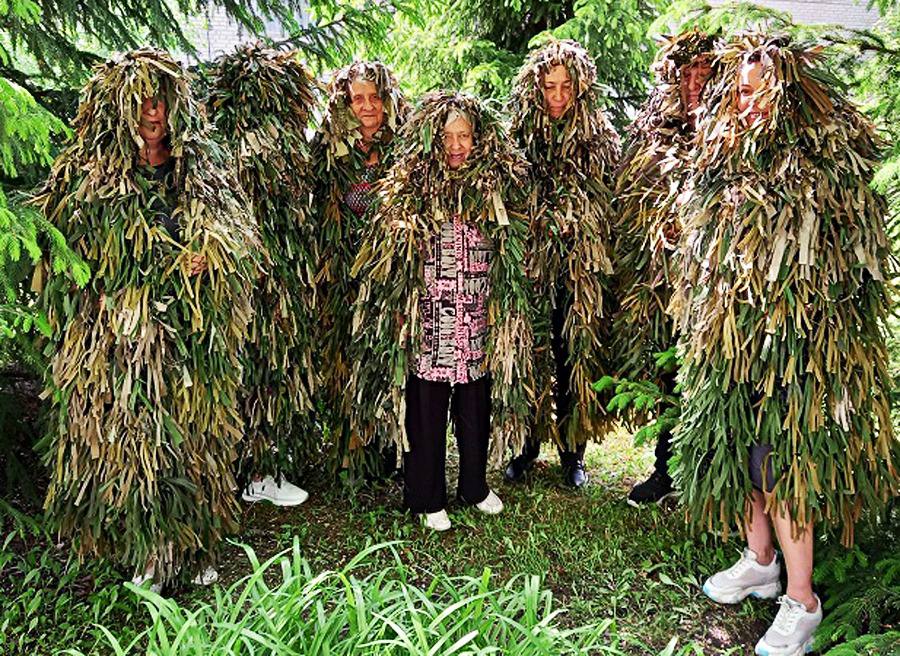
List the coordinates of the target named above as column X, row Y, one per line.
column 365, row 610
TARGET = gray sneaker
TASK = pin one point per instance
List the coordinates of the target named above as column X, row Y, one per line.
column 791, row 634
column 745, row 578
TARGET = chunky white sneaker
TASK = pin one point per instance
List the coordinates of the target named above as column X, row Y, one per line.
column 745, row 578
column 206, row 577
column 280, row 492
column 437, row 521
column 791, row 634
column 491, row 505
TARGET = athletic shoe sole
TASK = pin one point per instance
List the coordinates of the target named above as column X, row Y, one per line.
column 635, row 504
column 249, row 498
column 767, row 591
column 800, row 650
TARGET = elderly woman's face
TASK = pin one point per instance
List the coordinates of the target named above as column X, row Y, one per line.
column 153, row 127
column 458, row 140
column 366, row 104
column 557, row 87
column 752, row 109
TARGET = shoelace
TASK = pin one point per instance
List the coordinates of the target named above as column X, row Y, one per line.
column 740, row 566
column 788, row 615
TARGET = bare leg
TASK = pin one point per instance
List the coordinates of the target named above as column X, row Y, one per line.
column 759, row 531
column 798, row 559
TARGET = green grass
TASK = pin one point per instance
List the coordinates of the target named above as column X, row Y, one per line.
column 629, row 576
column 603, row 560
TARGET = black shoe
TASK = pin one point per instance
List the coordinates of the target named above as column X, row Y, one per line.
column 653, row 490
column 575, row 474
column 518, row 467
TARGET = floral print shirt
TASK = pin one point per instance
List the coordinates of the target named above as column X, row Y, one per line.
column 453, row 308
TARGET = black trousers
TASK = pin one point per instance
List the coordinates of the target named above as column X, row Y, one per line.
column 663, row 450
column 428, row 406
column 562, row 390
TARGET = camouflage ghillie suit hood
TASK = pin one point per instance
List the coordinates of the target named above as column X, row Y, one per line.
column 570, row 209
column 261, row 101
column 340, row 129
column 340, row 164
column 782, row 300
column 417, row 196
column 655, row 165
column 144, row 371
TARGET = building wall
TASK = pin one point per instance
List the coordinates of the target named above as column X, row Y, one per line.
column 850, row 14
column 214, row 33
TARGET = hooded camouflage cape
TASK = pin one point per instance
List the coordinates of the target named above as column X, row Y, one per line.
column 570, row 208
column 144, row 372
column 340, row 164
column 652, row 175
column 783, row 299
column 261, row 100
column 418, row 195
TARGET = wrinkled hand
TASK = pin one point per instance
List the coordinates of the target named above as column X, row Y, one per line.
column 198, row 264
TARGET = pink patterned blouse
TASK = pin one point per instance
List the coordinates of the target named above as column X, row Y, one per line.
column 454, row 305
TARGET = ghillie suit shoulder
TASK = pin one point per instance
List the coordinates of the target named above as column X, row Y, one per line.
column 344, row 192
column 144, row 368
column 261, row 101
column 417, row 196
column 783, row 300
column 652, row 177
column 573, row 161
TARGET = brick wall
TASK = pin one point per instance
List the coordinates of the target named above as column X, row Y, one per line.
column 851, row 14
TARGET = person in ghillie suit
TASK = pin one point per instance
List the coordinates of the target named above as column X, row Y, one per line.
column 443, row 316
column 145, row 375
column 573, row 150
column 655, row 166
column 353, row 149
column 781, row 303
column 261, row 101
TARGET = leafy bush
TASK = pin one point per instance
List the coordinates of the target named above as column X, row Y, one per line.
column 47, row 599
column 861, row 587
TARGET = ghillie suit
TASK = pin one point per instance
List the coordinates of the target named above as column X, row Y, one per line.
column 261, row 100
column 573, row 162
column 145, row 374
column 654, row 169
column 418, row 195
column 782, row 301
column 344, row 194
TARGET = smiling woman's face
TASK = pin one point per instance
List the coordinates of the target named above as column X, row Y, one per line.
column 749, row 104
column 458, row 141
column 153, row 127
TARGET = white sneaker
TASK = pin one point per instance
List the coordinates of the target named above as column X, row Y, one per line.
column 491, row 505
column 791, row 634
column 279, row 493
column 206, row 577
column 148, row 575
column 437, row 521
column 743, row 579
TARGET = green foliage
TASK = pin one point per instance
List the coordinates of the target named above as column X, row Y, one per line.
column 27, row 132
column 478, row 46
column 878, row 81
column 352, row 611
column 644, row 398
column 48, row 600
column 727, row 18
column 861, row 588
